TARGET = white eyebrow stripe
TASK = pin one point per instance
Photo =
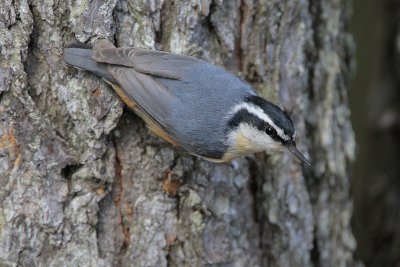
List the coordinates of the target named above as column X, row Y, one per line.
column 253, row 109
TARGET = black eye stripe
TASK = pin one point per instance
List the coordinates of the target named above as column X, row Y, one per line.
column 243, row 115
column 278, row 116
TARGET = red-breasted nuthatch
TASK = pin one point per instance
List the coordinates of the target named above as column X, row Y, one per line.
column 190, row 103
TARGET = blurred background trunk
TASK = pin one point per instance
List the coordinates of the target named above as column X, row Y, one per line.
column 375, row 104
column 84, row 184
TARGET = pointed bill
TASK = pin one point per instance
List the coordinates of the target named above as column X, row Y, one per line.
column 292, row 148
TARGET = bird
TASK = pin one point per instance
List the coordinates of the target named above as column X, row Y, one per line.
column 190, row 103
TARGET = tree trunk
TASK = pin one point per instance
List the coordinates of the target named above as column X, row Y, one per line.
column 84, row 184
column 376, row 177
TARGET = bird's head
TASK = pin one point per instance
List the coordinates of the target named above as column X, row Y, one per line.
column 257, row 125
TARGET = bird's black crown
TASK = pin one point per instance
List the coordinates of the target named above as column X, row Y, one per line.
column 277, row 115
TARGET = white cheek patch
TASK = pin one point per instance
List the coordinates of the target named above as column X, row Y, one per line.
column 260, row 113
column 258, row 140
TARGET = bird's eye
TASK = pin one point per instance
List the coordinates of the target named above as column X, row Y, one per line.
column 270, row 131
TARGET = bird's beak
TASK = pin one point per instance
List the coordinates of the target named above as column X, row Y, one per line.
column 291, row 146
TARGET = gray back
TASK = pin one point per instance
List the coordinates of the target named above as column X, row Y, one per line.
column 204, row 97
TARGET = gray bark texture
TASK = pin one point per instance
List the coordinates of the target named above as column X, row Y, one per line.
column 83, row 183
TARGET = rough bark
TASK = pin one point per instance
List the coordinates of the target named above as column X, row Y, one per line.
column 83, row 183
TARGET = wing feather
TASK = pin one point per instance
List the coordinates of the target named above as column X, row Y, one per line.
column 156, row 63
column 148, row 93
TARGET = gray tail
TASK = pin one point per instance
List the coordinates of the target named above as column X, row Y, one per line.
column 79, row 55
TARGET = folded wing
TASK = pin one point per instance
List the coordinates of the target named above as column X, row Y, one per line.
column 156, row 63
column 137, row 71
